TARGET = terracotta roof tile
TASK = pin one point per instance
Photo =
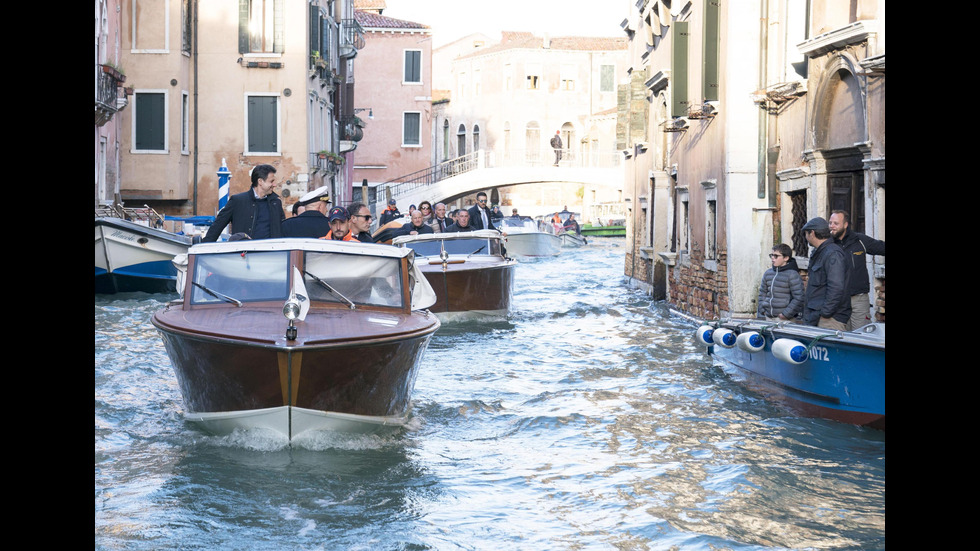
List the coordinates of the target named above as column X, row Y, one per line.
column 369, row 19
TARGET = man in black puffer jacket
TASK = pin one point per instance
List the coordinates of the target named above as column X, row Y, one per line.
column 781, row 291
column 827, row 303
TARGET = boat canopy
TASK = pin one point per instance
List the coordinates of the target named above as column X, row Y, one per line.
column 479, row 242
column 259, row 270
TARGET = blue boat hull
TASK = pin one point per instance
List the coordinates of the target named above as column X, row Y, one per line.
column 842, row 378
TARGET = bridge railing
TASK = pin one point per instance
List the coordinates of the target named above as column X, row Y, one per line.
column 428, row 176
column 546, row 157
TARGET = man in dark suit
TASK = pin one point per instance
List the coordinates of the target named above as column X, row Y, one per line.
column 480, row 214
column 312, row 222
column 439, row 221
column 256, row 212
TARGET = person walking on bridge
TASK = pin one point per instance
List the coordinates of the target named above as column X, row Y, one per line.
column 557, row 145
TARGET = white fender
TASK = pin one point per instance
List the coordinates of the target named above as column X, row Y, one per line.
column 724, row 337
column 750, row 341
column 703, row 335
column 789, row 350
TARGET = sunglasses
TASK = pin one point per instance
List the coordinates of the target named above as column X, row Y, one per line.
column 775, row 255
column 366, row 217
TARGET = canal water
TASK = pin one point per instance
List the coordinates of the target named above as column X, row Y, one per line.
column 588, row 419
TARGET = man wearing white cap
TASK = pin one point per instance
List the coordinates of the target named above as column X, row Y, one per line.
column 312, row 222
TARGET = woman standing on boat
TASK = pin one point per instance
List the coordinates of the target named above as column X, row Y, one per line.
column 781, row 291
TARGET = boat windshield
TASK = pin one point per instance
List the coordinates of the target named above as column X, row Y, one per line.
column 479, row 246
column 245, row 277
column 370, row 280
column 525, row 222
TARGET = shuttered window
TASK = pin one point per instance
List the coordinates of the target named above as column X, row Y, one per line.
column 678, row 68
column 263, row 124
column 709, row 75
column 607, row 78
column 413, row 66
column 151, row 121
column 412, row 129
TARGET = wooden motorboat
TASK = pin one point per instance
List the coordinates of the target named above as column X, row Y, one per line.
column 529, row 237
column 297, row 335
column 467, row 271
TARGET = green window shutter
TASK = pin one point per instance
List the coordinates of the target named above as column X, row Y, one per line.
column 150, row 122
column 678, row 68
column 262, row 124
column 709, row 77
column 411, row 134
column 314, row 32
column 413, row 66
column 243, row 26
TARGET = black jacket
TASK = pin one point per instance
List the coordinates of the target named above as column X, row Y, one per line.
column 454, row 228
column 857, row 246
column 309, row 223
column 826, row 285
column 240, row 212
column 477, row 221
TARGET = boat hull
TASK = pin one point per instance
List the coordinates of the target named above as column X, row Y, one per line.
column 131, row 257
column 359, row 380
column 471, row 289
column 571, row 240
column 604, row 231
column 533, row 244
column 843, row 378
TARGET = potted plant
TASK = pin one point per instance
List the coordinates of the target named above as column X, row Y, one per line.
column 115, row 71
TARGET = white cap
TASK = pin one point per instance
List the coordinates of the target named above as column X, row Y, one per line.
column 321, row 193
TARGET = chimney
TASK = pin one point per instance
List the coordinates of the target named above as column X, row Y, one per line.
column 547, row 42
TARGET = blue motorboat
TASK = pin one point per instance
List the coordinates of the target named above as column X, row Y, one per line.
column 817, row 372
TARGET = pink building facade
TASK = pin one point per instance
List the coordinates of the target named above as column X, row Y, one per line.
column 394, row 99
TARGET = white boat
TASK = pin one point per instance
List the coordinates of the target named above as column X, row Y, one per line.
column 529, row 237
column 572, row 239
column 130, row 256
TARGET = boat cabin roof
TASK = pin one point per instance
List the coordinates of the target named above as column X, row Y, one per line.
column 295, row 243
column 478, row 234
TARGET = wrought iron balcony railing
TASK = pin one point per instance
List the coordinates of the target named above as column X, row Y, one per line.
column 106, row 96
column 351, row 37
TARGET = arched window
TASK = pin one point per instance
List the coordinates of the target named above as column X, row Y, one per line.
column 461, row 141
column 476, row 137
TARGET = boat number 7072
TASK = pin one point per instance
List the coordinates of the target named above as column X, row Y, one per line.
column 819, row 353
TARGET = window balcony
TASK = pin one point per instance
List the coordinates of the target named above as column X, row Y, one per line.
column 351, row 38
column 107, row 100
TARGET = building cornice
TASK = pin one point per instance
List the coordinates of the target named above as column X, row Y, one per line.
column 855, row 33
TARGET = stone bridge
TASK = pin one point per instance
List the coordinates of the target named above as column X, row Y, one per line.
column 481, row 171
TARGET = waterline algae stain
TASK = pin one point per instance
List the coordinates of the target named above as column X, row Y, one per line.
column 589, row 419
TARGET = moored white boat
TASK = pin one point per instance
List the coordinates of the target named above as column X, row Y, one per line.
column 130, row 256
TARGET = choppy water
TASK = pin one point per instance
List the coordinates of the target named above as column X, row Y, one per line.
column 587, row 420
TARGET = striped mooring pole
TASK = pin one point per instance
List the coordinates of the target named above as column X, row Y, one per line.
column 224, row 177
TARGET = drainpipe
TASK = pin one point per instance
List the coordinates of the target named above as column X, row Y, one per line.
column 763, row 146
column 194, row 65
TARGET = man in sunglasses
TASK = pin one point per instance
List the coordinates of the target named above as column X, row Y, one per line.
column 360, row 222
column 480, row 214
